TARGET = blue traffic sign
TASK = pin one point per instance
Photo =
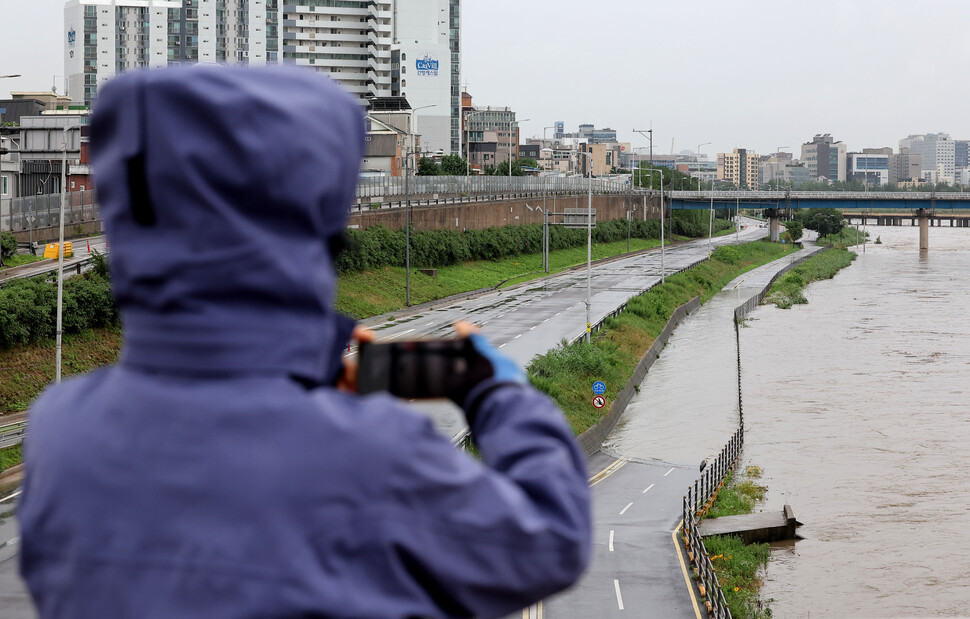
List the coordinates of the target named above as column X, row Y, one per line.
column 599, row 387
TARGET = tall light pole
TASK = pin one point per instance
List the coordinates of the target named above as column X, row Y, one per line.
column 544, row 147
column 60, row 258
column 513, row 122
column 468, row 156
column 589, row 242
column 663, row 212
column 407, row 209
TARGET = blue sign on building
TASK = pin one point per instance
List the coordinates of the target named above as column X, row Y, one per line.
column 427, row 65
column 599, row 387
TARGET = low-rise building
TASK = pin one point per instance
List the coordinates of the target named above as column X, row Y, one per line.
column 739, row 167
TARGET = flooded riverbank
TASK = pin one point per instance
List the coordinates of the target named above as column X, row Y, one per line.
column 856, row 406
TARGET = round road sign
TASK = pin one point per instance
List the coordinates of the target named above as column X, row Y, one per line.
column 599, row 387
column 599, row 401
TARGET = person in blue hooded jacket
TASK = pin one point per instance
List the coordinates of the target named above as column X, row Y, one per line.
column 216, row 471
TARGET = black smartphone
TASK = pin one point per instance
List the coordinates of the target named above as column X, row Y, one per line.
column 424, row 369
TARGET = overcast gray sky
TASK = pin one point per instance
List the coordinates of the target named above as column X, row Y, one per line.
column 756, row 74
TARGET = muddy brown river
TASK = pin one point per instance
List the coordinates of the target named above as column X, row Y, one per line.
column 857, row 406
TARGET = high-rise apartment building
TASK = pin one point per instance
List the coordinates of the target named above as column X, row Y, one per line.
column 825, row 158
column 107, row 37
column 375, row 48
column 739, row 167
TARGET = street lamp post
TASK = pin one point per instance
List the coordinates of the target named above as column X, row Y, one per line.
column 468, row 142
column 410, row 152
column 663, row 212
column 60, row 259
column 513, row 122
column 589, row 243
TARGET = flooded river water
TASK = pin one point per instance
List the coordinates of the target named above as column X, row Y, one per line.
column 857, row 407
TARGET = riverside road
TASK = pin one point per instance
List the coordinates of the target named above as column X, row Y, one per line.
column 523, row 321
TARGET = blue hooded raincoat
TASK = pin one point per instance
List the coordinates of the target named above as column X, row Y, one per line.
column 213, row 472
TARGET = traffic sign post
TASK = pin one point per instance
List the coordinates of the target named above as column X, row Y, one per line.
column 599, row 401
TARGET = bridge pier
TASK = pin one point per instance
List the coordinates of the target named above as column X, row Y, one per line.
column 924, row 230
column 774, row 224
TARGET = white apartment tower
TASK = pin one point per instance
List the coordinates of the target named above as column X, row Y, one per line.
column 938, row 155
column 375, row 48
column 106, row 37
column 384, row 48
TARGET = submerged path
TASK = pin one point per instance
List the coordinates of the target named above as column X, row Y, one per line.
column 685, row 411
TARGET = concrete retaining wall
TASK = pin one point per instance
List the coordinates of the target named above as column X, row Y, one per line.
column 481, row 215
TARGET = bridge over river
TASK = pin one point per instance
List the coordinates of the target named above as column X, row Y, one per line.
column 921, row 205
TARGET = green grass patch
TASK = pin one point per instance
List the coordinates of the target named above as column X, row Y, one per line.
column 787, row 291
column 19, row 259
column 847, row 237
column 738, row 566
column 370, row 293
column 11, row 456
column 739, row 495
column 567, row 372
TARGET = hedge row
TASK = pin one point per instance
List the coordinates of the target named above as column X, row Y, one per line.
column 378, row 246
column 28, row 307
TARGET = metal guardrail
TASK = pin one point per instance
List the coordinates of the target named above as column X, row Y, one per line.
column 76, row 266
column 12, row 434
column 394, row 188
column 696, row 503
column 619, row 310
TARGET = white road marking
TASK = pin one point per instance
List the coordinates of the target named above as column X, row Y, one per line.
column 547, row 320
column 623, row 511
column 611, row 541
column 647, row 488
column 531, row 328
column 517, row 336
column 395, row 336
column 12, row 496
column 11, row 542
column 429, row 324
column 619, row 598
column 503, row 345
column 669, row 472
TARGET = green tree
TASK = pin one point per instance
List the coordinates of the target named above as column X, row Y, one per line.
column 794, row 229
column 825, row 221
column 427, row 167
column 526, row 162
column 8, row 244
column 503, row 169
column 454, row 165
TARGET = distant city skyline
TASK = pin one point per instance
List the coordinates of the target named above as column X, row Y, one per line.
column 757, row 75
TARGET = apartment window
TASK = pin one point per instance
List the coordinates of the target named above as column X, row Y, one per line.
column 3, row 186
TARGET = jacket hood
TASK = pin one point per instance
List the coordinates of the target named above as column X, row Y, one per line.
column 222, row 191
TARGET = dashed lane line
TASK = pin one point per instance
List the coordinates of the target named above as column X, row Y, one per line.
column 619, row 596
column 670, row 471
column 648, row 488
column 628, row 506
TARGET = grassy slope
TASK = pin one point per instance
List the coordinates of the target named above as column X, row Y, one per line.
column 566, row 373
column 26, row 370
